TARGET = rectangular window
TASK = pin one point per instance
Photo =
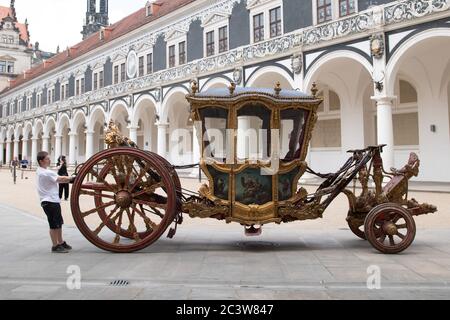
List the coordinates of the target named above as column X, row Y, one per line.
column 83, row 87
column 141, row 66
column 122, row 72
column 324, row 10
column 2, row 66
column 149, row 63
column 63, row 92
column 53, row 95
column 171, row 56
column 67, row 90
column 275, row 22
column 101, row 80
column 223, row 39
column 182, row 53
column 95, row 81
column 346, row 7
column 210, row 49
column 116, row 74
column 77, row 88
column 258, row 27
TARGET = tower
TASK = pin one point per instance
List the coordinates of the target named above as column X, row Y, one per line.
column 96, row 17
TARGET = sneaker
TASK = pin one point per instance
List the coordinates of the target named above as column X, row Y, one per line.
column 66, row 246
column 59, row 249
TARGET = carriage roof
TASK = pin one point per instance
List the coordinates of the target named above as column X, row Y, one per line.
column 237, row 93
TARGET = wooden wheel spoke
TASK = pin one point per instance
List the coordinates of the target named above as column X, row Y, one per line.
column 382, row 237
column 149, row 190
column 402, row 226
column 148, row 222
column 96, row 186
column 139, row 177
column 391, row 240
column 396, row 218
column 400, row 235
column 150, row 204
column 106, row 205
column 96, row 194
column 129, row 169
column 103, row 224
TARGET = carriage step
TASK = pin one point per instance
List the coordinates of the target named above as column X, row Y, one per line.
column 253, row 232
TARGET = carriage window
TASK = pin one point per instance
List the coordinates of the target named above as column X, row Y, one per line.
column 253, row 134
column 292, row 133
column 215, row 123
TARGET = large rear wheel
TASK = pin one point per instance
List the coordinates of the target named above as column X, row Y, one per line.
column 128, row 204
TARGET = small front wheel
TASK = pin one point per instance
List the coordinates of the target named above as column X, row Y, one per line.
column 390, row 228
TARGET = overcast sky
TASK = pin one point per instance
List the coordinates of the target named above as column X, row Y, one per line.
column 59, row 22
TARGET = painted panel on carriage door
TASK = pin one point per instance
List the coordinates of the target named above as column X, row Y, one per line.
column 296, row 14
column 365, row 4
column 195, row 41
column 239, row 26
column 159, row 54
column 107, row 71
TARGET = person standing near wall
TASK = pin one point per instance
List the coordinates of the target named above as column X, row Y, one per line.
column 62, row 171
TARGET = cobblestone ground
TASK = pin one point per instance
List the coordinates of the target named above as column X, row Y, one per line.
column 208, row 259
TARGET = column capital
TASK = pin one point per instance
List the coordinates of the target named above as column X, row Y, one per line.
column 384, row 99
column 89, row 132
column 45, row 137
column 34, row 139
column 73, row 134
column 58, row 136
column 162, row 124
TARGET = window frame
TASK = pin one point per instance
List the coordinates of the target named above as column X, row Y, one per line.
column 214, row 24
column 335, row 12
column 265, row 8
column 174, row 40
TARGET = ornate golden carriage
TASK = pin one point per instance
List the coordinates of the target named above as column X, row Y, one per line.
column 254, row 144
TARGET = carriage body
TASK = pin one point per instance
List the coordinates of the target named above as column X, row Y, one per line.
column 253, row 146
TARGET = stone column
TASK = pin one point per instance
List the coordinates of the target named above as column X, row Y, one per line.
column 34, row 151
column 25, row 149
column 58, row 143
column 16, row 149
column 133, row 133
column 72, row 142
column 162, row 145
column 8, row 152
column 89, row 144
column 385, row 131
column 2, row 145
column 45, row 142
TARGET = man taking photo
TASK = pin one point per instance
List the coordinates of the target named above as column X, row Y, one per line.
column 48, row 190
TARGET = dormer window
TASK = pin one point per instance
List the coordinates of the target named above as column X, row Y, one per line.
column 148, row 9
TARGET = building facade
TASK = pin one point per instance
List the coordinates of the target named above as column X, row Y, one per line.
column 382, row 67
column 15, row 49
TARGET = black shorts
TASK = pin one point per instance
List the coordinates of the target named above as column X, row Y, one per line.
column 53, row 212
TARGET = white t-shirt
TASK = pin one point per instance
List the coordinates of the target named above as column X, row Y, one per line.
column 48, row 188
